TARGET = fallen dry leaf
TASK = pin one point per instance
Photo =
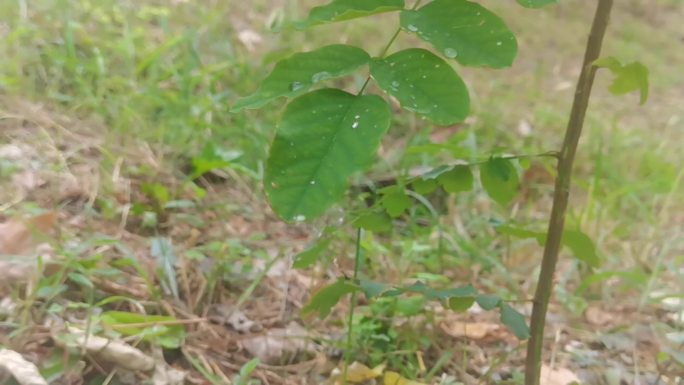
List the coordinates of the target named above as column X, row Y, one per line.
column 23, row 371
column 357, row 373
column 21, row 236
column 557, row 376
column 116, row 352
column 164, row 374
column 393, row 378
column 250, row 39
column 229, row 315
column 596, row 316
column 27, row 180
column 472, row 330
column 277, row 343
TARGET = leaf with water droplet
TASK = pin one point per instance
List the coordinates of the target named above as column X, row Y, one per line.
column 464, row 31
column 536, row 3
column 340, row 10
column 325, row 151
column 450, row 53
column 295, row 75
column 429, row 86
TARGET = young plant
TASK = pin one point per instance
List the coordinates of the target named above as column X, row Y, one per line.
column 326, row 135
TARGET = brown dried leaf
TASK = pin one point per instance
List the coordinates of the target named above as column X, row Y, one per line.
column 472, row 330
column 357, row 373
column 557, row 376
column 25, row 372
column 116, row 352
column 278, row 343
column 596, row 316
column 19, row 236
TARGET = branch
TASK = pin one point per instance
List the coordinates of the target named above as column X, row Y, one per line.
column 573, row 132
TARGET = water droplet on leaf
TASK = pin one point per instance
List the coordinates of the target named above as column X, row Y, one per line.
column 450, row 53
column 319, row 76
column 296, row 86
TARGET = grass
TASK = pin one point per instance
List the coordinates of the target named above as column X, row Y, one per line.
column 149, row 84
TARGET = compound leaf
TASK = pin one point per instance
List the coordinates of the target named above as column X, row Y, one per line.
column 423, row 83
column 324, row 137
column 464, row 31
column 339, row 10
column 298, row 73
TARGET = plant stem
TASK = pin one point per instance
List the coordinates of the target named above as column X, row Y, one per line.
column 561, row 193
column 387, row 47
column 352, row 306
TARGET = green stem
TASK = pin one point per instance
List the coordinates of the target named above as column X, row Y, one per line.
column 561, row 194
column 352, row 306
column 387, row 47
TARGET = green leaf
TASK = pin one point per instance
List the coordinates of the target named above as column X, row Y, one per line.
column 581, row 246
column 488, row 302
column 411, row 306
column 536, row 3
column 80, row 279
column 499, row 179
column 371, row 288
column 514, row 321
column 629, row 77
column 456, row 180
column 423, row 83
column 327, row 297
column 424, row 186
column 464, row 31
column 461, row 304
column 339, row 10
column 521, row 233
column 324, row 137
column 298, row 73
column 376, row 222
column 168, row 336
column 395, row 201
column 309, row 256
column 436, row 172
column 430, row 293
